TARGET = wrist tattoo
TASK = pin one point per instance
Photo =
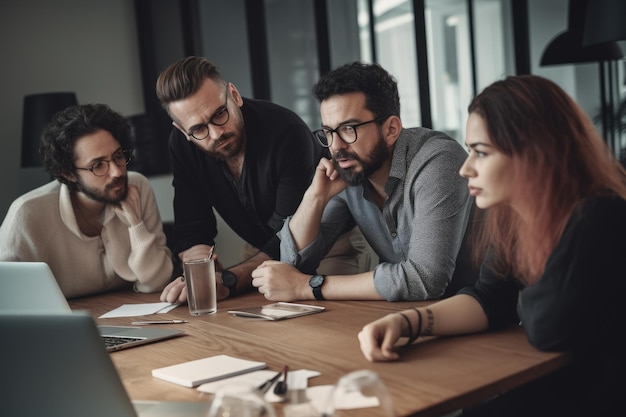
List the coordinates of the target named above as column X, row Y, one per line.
column 428, row 331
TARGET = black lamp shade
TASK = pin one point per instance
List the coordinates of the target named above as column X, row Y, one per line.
column 605, row 21
column 568, row 48
column 38, row 110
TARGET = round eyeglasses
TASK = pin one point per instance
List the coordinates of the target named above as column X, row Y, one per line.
column 100, row 168
column 219, row 118
column 346, row 133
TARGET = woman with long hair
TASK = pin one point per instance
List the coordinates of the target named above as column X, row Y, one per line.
column 552, row 244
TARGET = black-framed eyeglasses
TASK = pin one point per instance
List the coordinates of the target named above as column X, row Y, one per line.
column 100, row 168
column 346, row 133
column 219, row 118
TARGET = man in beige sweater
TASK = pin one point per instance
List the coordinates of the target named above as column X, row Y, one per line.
column 96, row 225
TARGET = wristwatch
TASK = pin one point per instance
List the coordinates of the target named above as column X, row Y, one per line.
column 229, row 280
column 316, row 282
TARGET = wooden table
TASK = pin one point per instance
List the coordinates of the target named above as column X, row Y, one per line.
column 433, row 377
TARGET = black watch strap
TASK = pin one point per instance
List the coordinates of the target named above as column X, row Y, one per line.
column 229, row 280
column 316, row 282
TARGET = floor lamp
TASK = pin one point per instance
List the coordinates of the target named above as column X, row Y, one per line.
column 569, row 47
column 38, row 110
column 606, row 22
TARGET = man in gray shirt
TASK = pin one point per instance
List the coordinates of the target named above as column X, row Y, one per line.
column 400, row 186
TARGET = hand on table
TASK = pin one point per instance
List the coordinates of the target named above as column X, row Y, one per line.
column 176, row 291
column 377, row 339
column 279, row 281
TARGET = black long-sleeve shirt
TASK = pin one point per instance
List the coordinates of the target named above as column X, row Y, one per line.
column 575, row 306
column 280, row 160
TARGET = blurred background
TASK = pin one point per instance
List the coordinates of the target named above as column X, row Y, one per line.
column 442, row 52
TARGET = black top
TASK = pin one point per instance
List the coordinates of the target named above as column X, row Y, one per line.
column 280, row 160
column 575, row 306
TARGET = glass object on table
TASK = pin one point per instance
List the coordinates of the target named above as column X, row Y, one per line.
column 363, row 389
column 199, row 275
column 240, row 400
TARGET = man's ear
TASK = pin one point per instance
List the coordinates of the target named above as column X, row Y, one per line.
column 234, row 93
column 177, row 126
column 70, row 176
column 391, row 129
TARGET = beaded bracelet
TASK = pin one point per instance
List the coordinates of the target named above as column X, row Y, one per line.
column 419, row 327
column 408, row 322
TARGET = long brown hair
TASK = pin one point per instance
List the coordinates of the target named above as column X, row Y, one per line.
column 558, row 160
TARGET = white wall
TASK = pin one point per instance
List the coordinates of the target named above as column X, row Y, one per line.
column 89, row 47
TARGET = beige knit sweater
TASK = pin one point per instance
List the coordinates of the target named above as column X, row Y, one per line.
column 41, row 226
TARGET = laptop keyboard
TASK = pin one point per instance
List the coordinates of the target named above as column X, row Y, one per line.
column 111, row 341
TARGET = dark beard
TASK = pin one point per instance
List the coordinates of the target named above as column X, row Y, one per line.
column 228, row 151
column 233, row 149
column 102, row 197
column 376, row 158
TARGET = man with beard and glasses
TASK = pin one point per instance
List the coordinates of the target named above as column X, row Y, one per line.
column 97, row 226
column 399, row 186
column 248, row 160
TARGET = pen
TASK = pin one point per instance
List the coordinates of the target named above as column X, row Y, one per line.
column 141, row 323
column 264, row 387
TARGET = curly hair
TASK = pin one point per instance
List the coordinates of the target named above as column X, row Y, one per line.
column 183, row 78
column 379, row 87
column 69, row 125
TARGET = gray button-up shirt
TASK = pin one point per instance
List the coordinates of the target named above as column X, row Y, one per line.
column 418, row 234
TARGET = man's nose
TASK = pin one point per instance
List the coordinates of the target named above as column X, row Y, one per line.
column 337, row 143
column 115, row 170
column 215, row 132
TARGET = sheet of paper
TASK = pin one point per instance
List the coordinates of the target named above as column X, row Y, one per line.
column 168, row 308
column 132, row 310
column 320, row 395
column 256, row 378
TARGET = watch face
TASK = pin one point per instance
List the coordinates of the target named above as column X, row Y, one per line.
column 316, row 281
column 229, row 279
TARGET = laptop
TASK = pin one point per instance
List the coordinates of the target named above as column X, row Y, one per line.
column 55, row 365
column 30, row 288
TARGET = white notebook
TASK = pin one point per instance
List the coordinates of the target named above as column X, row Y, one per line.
column 200, row 371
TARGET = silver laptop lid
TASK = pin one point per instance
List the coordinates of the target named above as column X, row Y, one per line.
column 30, row 288
column 56, row 365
